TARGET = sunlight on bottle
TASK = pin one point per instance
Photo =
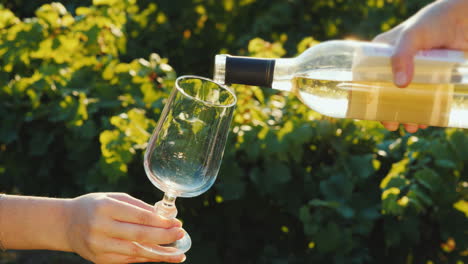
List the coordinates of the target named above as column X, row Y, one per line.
column 351, row 37
column 331, row 107
column 458, row 118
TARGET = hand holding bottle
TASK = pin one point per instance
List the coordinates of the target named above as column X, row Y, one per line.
column 440, row 25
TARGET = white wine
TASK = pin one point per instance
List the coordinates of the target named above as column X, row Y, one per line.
column 352, row 79
column 444, row 105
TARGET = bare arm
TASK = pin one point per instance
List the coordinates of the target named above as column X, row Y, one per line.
column 33, row 223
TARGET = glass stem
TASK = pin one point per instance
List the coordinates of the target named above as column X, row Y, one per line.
column 166, row 207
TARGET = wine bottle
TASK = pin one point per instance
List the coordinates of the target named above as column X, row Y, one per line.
column 353, row 79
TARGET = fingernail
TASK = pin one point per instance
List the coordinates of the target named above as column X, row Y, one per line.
column 400, row 78
column 392, row 126
column 411, row 128
column 184, row 258
column 180, row 234
column 178, row 223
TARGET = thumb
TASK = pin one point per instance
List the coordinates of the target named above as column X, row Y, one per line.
column 403, row 59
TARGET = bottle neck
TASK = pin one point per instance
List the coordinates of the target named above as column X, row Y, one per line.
column 284, row 74
column 272, row 73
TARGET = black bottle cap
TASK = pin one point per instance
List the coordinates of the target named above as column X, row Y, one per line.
column 249, row 71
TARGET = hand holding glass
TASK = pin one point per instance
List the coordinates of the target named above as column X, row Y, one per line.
column 185, row 151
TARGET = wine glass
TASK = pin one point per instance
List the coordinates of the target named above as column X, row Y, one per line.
column 186, row 148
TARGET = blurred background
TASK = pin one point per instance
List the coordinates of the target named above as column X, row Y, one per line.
column 82, row 84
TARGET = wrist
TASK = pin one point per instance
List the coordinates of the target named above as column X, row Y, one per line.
column 60, row 229
column 51, row 221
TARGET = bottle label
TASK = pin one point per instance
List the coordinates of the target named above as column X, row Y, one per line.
column 417, row 103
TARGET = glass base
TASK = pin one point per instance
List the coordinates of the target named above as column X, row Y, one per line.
column 178, row 247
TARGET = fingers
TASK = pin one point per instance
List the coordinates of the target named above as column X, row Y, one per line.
column 403, row 58
column 123, row 197
column 129, row 252
column 407, row 41
column 391, row 126
column 406, row 46
column 410, row 128
column 144, row 234
column 101, row 219
column 126, row 212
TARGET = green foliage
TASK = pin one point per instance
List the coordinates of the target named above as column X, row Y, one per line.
column 295, row 187
column 65, row 88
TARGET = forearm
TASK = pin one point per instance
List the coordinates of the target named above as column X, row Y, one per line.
column 33, row 223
